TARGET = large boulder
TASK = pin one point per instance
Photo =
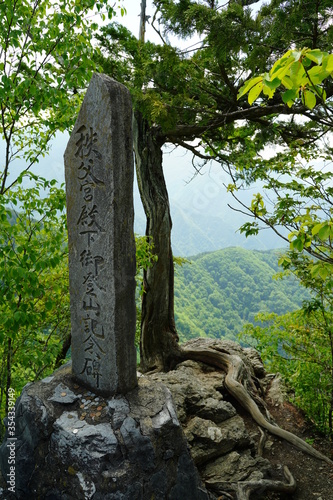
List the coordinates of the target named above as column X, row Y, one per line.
column 220, row 444
column 159, row 441
column 73, row 444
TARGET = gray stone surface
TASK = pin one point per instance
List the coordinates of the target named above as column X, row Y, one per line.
column 220, row 444
column 209, row 440
column 254, row 357
column 99, row 188
column 132, row 446
column 122, row 447
column 197, row 390
column 276, row 393
column 76, row 440
column 62, row 394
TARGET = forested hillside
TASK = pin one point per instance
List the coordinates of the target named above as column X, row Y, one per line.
column 202, row 221
column 216, row 293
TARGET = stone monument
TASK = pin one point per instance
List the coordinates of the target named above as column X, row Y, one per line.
column 99, row 188
column 91, row 430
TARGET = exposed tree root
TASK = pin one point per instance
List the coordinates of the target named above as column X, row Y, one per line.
column 262, row 442
column 212, row 353
column 225, row 496
column 245, row 488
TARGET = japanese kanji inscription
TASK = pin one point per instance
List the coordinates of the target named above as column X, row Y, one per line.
column 99, row 189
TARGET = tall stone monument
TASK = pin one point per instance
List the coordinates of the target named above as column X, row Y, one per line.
column 99, row 188
column 126, row 442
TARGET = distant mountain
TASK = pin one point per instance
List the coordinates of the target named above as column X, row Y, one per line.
column 218, row 292
column 206, row 231
column 202, row 219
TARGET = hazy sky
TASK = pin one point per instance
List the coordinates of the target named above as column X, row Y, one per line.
column 205, row 192
column 176, row 161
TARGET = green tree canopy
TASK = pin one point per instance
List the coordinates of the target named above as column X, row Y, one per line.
column 189, row 97
column 46, row 59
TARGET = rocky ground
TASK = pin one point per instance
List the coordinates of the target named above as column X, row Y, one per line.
column 73, row 444
column 224, row 439
column 314, row 478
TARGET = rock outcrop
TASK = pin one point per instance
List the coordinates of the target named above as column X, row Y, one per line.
column 73, row 444
column 178, row 436
column 222, row 448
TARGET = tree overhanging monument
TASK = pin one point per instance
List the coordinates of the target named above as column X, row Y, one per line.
column 85, row 433
column 188, row 97
column 91, row 429
column 99, row 190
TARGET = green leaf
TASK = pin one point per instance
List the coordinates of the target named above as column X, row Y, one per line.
column 268, row 91
column 272, row 84
column 283, row 68
column 284, row 261
column 296, row 54
column 296, row 72
column 306, row 62
column 255, row 92
column 315, row 55
column 324, row 272
column 309, row 99
column 289, row 96
column 249, row 85
column 328, row 63
column 317, row 74
column 287, row 82
column 316, row 228
column 297, row 244
column 20, row 317
column 48, row 305
column 286, row 59
column 324, row 232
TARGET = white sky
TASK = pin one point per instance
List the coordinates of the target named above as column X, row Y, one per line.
column 203, row 192
column 132, row 19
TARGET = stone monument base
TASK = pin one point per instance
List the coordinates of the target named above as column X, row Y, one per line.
column 73, row 444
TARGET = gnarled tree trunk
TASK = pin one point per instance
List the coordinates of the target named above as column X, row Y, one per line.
column 159, row 340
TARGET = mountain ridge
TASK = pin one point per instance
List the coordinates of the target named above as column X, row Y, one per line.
column 218, row 292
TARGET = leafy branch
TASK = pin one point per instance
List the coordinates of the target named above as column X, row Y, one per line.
column 300, row 72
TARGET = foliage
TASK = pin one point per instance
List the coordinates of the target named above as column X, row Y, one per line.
column 296, row 346
column 301, row 345
column 34, row 304
column 191, row 93
column 46, row 60
column 300, row 72
column 299, row 204
column 219, row 292
column 303, row 200
column 145, row 258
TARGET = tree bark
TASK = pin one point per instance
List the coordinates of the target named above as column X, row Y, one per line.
column 159, row 348
column 64, row 349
